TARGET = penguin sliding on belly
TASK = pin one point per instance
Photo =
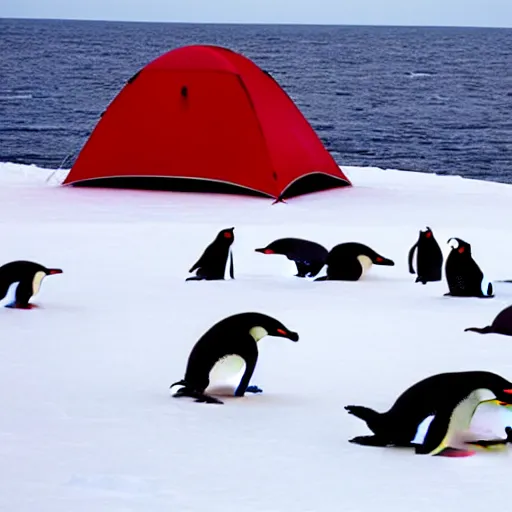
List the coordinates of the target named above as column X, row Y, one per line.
column 28, row 275
column 502, row 324
column 429, row 258
column 223, row 352
column 213, row 263
column 349, row 261
column 464, row 277
column 309, row 257
column 450, row 398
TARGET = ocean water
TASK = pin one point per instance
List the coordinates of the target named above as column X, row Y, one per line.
column 423, row 99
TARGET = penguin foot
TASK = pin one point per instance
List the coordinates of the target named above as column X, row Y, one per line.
column 253, row 389
column 508, row 431
column 15, row 305
column 199, row 397
column 369, row 441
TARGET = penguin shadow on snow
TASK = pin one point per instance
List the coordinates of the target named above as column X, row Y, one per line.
column 228, row 352
column 20, row 281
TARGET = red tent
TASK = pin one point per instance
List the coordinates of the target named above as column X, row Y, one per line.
column 210, row 119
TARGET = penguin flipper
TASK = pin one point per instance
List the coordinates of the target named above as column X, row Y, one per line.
column 231, row 266
column 23, row 294
column 250, row 358
column 410, row 258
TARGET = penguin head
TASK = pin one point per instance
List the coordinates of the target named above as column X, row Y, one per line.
column 226, row 235
column 380, row 260
column 427, row 233
column 264, row 325
column 503, row 396
column 459, row 246
column 265, row 250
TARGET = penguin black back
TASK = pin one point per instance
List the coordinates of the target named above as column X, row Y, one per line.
column 309, row 257
column 235, row 335
column 463, row 275
column 502, row 324
column 348, row 262
column 29, row 275
column 437, row 395
column 213, row 262
column 429, row 258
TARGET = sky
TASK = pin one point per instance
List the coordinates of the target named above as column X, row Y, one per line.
column 480, row 13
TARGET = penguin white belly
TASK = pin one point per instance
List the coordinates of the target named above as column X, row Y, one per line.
column 10, row 296
column 460, row 421
column 422, row 430
column 228, row 370
column 229, row 262
column 36, row 282
column 366, row 263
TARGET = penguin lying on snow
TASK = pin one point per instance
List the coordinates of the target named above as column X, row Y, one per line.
column 309, row 257
column 451, row 398
column 502, row 324
column 226, row 348
column 212, row 265
column 349, row 261
column 429, row 258
column 28, row 275
column 463, row 275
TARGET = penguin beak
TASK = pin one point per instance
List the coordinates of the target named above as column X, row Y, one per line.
column 53, row 271
column 265, row 251
column 288, row 334
column 379, row 260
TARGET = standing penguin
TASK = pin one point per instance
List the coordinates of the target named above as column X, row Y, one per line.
column 224, row 350
column 212, row 265
column 502, row 324
column 28, row 275
column 309, row 257
column 463, row 275
column 449, row 398
column 349, row 261
column 429, row 258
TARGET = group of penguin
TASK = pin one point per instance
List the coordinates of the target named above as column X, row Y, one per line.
column 229, row 349
column 349, row 261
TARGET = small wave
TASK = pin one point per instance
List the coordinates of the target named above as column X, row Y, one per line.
column 418, row 74
column 6, row 97
column 323, row 127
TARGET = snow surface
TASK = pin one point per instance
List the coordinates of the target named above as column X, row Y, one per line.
column 87, row 423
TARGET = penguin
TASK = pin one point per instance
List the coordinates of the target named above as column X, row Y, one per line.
column 212, row 265
column 28, row 275
column 429, row 258
column 464, row 277
column 502, row 324
column 226, row 349
column 349, row 261
column 450, row 398
column 309, row 257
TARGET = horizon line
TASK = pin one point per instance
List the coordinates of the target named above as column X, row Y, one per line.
column 256, row 23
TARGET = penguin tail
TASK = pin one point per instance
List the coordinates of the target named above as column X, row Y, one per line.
column 363, row 413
